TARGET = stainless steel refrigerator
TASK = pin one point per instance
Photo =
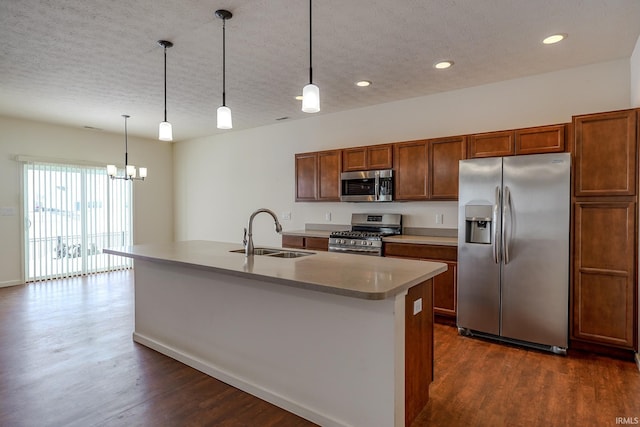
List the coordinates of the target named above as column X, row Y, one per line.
column 513, row 249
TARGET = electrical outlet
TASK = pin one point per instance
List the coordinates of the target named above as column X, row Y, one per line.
column 327, row 216
column 439, row 218
column 286, row 215
column 417, row 306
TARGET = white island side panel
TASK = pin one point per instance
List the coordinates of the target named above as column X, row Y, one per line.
column 328, row 358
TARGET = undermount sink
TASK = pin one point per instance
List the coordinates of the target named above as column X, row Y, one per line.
column 278, row 253
column 290, row 254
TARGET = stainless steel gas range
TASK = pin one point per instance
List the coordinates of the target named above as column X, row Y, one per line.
column 365, row 236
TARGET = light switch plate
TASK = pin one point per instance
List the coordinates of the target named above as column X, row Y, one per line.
column 8, row 211
column 417, row 306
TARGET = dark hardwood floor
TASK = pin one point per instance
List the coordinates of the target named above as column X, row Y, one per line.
column 67, row 359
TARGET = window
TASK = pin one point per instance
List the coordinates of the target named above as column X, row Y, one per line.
column 72, row 212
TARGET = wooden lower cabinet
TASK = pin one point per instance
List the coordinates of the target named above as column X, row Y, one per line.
column 418, row 350
column 302, row 242
column 445, row 285
column 604, row 273
column 445, row 291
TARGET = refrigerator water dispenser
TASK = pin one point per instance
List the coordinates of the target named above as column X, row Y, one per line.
column 478, row 221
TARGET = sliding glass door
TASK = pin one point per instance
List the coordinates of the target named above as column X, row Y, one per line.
column 73, row 212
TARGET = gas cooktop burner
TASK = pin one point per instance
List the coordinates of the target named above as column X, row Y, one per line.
column 369, row 235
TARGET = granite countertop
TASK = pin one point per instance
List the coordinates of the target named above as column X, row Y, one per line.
column 402, row 238
column 358, row 276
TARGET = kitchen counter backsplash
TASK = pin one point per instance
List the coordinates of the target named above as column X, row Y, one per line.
column 433, row 232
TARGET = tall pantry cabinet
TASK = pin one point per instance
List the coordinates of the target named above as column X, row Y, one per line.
column 605, row 211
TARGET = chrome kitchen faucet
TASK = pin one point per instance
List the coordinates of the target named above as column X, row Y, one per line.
column 248, row 237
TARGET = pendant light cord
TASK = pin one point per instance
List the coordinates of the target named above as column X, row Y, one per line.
column 165, row 82
column 224, row 55
column 310, row 47
column 126, row 143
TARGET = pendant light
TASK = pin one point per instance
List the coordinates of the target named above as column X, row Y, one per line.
column 311, row 92
column 130, row 172
column 165, row 133
column 224, row 112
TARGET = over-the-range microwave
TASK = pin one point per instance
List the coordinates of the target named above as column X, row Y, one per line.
column 367, row 186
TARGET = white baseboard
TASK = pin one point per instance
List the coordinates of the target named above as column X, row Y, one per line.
column 238, row 382
column 11, row 283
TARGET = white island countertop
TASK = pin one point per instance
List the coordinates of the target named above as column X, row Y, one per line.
column 358, row 276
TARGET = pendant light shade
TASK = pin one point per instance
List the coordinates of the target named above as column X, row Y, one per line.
column 224, row 117
column 165, row 132
column 224, row 112
column 311, row 92
column 311, row 98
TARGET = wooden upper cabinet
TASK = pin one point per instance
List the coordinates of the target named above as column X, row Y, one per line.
column 354, row 159
column 605, row 154
column 411, row 166
column 367, row 158
column 492, row 144
column 329, row 163
column 306, row 176
column 542, row 139
column 444, row 157
column 318, row 176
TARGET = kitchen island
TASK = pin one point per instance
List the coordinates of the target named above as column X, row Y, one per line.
column 339, row 339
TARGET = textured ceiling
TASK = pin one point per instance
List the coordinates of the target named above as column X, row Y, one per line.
column 86, row 62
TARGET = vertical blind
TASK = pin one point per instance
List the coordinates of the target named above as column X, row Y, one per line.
column 72, row 213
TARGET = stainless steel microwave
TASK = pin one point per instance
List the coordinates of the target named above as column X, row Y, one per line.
column 367, row 186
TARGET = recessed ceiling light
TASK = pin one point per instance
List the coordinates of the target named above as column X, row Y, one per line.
column 554, row 38
column 363, row 83
column 443, row 65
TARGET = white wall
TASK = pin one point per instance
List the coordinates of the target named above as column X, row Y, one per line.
column 220, row 180
column 153, row 198
column 635, row 75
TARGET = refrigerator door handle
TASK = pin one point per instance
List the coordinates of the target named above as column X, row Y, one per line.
column 507, row 212
column 496, row 228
